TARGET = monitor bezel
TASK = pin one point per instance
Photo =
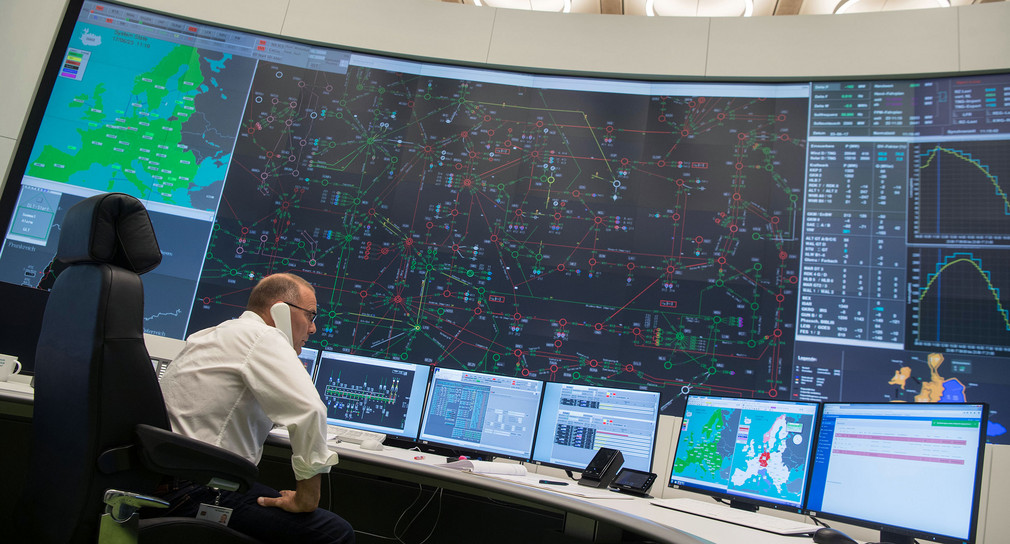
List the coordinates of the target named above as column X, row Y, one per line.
column 745, row 501
column 315, row 362
column 886, row 529
column 562, row 466
column 453, row 450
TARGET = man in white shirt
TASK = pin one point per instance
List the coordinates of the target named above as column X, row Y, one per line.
column 229, row 386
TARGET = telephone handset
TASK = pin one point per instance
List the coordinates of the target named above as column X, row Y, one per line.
column 281, row 315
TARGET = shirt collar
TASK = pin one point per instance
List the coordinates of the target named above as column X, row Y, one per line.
column 249, row 314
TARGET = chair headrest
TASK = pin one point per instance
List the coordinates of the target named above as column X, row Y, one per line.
column 111, row 228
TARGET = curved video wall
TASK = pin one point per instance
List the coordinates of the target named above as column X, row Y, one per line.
column 825, row 240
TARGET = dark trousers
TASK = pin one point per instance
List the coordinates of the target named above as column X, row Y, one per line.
column 262, row 523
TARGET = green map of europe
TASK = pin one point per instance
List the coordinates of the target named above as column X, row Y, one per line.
column 708, row 455
column 153, row 129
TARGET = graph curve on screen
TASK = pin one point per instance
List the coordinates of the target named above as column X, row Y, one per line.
column 967, row 157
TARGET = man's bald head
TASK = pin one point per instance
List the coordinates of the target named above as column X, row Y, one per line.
column 276, row 288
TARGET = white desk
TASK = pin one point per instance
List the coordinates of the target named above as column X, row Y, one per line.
column 17, row 389
column 588, row 512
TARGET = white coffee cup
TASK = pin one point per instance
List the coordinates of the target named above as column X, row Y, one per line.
column 9, row 365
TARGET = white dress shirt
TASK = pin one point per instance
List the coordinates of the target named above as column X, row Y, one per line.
column 233, row 382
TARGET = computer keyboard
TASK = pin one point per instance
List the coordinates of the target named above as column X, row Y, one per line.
column 736, row 516
column 353, row 436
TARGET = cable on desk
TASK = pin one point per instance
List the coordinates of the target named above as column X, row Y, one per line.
column 438, row 517
column 399, row 534
column 419, row 512
column 373, row 535
column 420, row 491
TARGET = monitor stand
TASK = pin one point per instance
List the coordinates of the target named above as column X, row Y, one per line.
column 887, row 537
column 743, row 506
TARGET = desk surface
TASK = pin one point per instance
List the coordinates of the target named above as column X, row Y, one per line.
column 633, row 514
column 17, row 388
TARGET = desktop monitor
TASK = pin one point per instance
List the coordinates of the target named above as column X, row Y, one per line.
column 372, row 394
column 308, row 357
column 577, row 420
column 755, row 452
column 909, row 470
column 481, row 413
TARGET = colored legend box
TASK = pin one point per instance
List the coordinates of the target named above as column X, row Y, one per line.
column 74, row 64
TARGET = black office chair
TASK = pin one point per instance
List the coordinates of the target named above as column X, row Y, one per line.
column 99, row 419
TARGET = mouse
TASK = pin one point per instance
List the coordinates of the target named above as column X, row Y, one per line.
column 370, row 444
column 827, row 535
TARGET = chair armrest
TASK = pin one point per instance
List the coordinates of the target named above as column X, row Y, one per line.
column 173, row 454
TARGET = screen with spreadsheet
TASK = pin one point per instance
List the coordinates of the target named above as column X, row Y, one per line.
column 910, row 470
column 372, row 394
column 578, row 420
column 481, row 413
column 753, row 451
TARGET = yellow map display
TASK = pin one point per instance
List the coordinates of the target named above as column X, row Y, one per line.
column 938, row 388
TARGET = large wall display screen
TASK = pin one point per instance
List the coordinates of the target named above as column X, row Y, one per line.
column 798, row 240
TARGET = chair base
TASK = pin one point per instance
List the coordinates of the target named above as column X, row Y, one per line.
column 172, row 530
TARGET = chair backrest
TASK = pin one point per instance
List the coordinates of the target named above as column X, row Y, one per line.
column 94, row 381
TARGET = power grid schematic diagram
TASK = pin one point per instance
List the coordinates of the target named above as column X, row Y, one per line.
column 641, row 241
column 365, row 394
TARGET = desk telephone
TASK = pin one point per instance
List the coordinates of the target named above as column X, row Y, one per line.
column 602, row 469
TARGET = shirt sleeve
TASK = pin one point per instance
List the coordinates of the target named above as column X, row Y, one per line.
column 284, row 390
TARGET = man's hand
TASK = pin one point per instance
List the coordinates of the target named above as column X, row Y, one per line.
column 305, row 497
